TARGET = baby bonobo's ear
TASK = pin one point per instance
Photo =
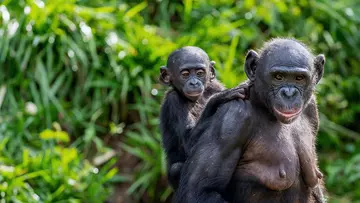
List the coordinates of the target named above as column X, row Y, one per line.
column 164, row 76
column 212, row 70
column 319, row 63
column 250, row 64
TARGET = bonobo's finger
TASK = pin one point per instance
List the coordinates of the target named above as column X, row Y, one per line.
column 243, row 93
column 319, row 174
column 242, row 96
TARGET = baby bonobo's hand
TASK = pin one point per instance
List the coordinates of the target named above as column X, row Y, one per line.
column 236, row 93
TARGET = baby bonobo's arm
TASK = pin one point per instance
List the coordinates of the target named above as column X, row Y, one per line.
column 173, row 127
column 239, row 92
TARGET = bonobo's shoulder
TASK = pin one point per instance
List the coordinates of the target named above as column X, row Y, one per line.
column 171, row 96
column 237, row 109
column 171, row 93
column 234, row 121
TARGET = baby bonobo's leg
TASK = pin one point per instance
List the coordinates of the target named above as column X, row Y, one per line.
column 309, row 170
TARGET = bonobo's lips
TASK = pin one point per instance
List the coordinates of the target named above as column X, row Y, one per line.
column 289, row 114
column 193, row 93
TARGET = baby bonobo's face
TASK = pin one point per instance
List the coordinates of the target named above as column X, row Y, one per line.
column 190, row 73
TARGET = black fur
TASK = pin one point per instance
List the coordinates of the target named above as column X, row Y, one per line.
column 181, row 109
column 261, row 149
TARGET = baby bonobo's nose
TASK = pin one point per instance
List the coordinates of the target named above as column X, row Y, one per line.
column 194, row 83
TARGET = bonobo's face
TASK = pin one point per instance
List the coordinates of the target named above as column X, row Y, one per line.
column 189, row 70
column 286, row 75
column 289, row 84
column 192, row 77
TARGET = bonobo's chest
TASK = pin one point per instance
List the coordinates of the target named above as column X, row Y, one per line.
column 270, row 157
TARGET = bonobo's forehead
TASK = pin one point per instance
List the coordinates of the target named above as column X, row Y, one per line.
column 188, row 55
column 285, row 52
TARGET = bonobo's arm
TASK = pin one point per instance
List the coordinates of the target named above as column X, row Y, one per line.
column 208, row 171
column 173, row 126
column 311, row 112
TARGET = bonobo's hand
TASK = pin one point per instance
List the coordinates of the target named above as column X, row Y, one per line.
column 319, row 174
column 175, row 169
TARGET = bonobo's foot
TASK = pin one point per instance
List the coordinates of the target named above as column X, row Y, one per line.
column 175, row 169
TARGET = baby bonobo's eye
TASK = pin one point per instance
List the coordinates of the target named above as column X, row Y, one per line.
column 299, row 77
column 185, row 73
column 279, row 77
column 200, row 73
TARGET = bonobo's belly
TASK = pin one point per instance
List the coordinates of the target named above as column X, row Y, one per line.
column 271, row 161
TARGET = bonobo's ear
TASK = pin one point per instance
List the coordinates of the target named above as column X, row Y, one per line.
column 212, row 70
column 250, row 63
column 319, row 63
column 164, row 76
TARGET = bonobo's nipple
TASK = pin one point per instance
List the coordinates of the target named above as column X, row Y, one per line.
column 282, row 173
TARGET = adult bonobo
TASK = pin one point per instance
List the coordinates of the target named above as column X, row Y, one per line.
column 261, row 149
column 192, row 76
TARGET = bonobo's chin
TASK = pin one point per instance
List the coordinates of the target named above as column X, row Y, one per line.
column 193, row 96
column 287, row 116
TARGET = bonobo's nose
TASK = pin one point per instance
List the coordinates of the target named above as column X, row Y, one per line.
column 194, row 83
column 288, row 92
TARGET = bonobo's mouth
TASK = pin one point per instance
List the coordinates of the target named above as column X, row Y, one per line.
column 193, row 95
column 287, row 115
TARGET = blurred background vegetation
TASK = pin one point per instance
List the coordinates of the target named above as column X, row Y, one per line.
column 79, row 95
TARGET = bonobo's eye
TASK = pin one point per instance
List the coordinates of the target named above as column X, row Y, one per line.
column 200, row 73
column 279, row 77
column 185, row 73
column 300, row 77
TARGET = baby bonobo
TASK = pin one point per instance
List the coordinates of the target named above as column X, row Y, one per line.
column 191, row 75
column 261, row 149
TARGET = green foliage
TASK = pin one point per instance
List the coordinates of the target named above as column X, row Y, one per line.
column 77, row 73
column 50, row 173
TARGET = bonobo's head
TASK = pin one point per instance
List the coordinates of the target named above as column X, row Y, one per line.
column 188, row 70
column 284, row 75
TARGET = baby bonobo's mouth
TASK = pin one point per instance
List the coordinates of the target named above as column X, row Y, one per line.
column 194, row 94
